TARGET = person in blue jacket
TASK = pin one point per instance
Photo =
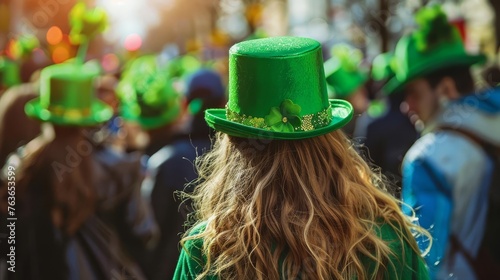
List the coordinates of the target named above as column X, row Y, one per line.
column 446, row 173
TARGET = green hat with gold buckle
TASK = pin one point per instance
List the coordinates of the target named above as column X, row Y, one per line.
column 277, row 90
column 435, row 45
column 67, row 97
column 344, row 73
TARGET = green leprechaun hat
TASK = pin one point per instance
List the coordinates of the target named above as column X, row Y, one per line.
column 67, row 97
column 277, row 90
column 147, row 96
column 435, row 45
column 9, row 73
column 343, row 71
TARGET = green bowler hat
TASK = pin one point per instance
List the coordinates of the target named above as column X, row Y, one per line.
column 343, row 71
column 277, row 90
column 147, row 95
column 435, row 45
column 67, row 97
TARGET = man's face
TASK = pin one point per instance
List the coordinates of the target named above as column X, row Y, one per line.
column 422, row 99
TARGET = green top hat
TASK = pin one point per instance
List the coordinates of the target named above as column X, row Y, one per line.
column 147, row 95
column 435, row 45
column 67, row 97
column 9, row 73
column 343, row 71
column 277, row 90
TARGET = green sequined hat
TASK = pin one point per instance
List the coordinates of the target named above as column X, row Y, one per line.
column 435, row 45
column 147, row 95
column 344, row 73
column 67, row 97
column 277, row 90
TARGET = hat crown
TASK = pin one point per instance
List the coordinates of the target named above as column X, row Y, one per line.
column 66, row 87
column 67, row 97
column 266, row 72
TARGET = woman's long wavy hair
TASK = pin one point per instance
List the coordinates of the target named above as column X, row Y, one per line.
column 301, row 209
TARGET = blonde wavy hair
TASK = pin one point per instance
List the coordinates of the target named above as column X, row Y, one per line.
column 300, row 209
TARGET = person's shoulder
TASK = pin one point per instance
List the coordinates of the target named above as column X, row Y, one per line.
column 440, row 150
column 405, row 261
column 193, row 245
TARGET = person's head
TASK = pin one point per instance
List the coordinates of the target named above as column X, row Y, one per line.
column 204, row 90
column 60, row 163
column 106, row 90
column 431, row 64
column 426, row 95
column 283, row 188
column 311, row 204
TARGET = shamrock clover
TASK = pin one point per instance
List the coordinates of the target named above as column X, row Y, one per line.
column 285, row 118
column 86, row 23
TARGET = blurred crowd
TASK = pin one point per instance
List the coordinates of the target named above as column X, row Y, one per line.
column 103, row 160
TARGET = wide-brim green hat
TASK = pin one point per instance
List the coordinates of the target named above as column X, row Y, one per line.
column 434, row 46
column 129, row 112
column 343, row 71
column 67, row 97
column 277, row 90
column 147, row 95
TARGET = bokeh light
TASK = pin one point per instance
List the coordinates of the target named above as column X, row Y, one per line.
column 110, row 62
column 133, row 42
column 54, row 35
column 60, row 54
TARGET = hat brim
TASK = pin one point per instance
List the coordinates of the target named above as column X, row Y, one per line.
column 342, row 113
column 99, row 112
column 396, row 85
column 149, row 123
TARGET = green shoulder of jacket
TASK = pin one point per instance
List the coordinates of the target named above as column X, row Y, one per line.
column 405, row 264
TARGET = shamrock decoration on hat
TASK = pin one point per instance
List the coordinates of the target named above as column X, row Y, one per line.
column 435, row 45
column 277, row 90
column 344, row 73
column 85, row 25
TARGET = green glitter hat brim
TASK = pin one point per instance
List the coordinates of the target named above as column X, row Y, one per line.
column 395, row 85
column 100, row 112
column 342, row 113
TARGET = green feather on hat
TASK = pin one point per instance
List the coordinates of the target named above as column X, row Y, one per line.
column 435, row 45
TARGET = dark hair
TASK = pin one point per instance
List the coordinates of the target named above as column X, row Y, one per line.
column 460, row 74
column 66, row 174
